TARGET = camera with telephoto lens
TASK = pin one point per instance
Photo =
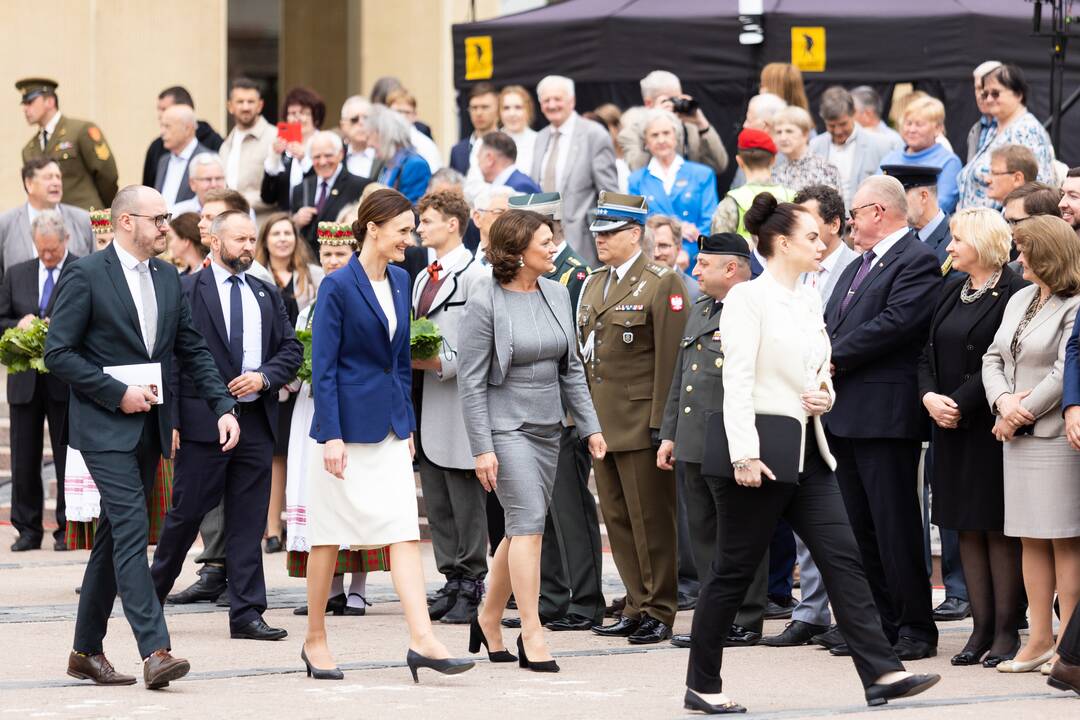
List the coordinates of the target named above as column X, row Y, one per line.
column 684, row 106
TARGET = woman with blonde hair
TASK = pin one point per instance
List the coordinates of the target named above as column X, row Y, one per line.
column 967, row 467
column 798, row 167
column 921, row 123
column 1023, row 376
column 516, row 113
column 785, row 80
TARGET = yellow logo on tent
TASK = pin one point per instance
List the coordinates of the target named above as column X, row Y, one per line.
column 479, row 62
column 808, row 48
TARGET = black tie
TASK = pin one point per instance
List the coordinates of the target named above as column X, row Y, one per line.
column 236, row 325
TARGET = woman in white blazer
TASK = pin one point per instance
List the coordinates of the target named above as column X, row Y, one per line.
column 777, row 362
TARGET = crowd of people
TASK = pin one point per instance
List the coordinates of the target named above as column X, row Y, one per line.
column 754, row 375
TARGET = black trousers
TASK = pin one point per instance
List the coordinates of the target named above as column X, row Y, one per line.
column 1069, row 643
column 689, row 581
column 571, row 561
column 879, row 482
column 747, row 519
column 203, row 476
column 703, row 510
column 118, row 559
column 27, row 444
column 457, row 518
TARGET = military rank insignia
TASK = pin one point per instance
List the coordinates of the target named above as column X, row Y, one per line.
column 630, row 308
column 628, row 337
column 676, row 303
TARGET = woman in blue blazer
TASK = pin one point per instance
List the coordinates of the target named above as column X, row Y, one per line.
column 672, row 185
column 362, row 492
column 404, row 169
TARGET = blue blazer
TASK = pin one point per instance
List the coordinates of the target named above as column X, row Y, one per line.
column 522, row 183
column 408, row 173
column 1071, row 381
column 693, row 199
column 459, row 156
column 362, row 379
column 877, row 342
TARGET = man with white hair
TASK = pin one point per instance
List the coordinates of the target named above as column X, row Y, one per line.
column 206, row 172
column 572, row 157
column 698, row 141
column 868, row 109
column 878, row 318
column 178, row 126
column 360, row 158
column 322, row 194
column 761, row 109
column 491, row 202
column 986, row 125
column 856, row 153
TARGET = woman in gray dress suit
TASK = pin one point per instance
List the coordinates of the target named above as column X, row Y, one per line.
column 1022, row 373
column 518, row 375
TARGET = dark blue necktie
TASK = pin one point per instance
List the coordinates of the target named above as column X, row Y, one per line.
column 47, row 290
column 236, row 325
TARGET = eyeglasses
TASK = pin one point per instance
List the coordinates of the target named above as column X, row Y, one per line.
column 158, row 220
column 356, row 119
column 852, row 211
column 995, row 94
column 496, row 211
column 1004, row 172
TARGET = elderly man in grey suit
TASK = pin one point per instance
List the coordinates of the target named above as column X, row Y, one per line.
column 856, row 152
column 44, row 188
column 454, row 498
column 178, row 126
column 574, row 157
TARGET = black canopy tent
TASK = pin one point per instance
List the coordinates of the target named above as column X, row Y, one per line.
column 607, row 46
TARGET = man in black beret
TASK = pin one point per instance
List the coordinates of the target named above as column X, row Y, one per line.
column 925, row 216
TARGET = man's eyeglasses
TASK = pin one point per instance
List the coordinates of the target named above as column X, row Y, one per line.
column 852, row 211
column 496, row 212
column 995, row 94
column 158, row 220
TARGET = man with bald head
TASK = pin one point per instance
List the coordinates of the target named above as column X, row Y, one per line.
column 122, row 307
column 256, row 353
column 323, row 193
column 878, row 318
column 178, row 125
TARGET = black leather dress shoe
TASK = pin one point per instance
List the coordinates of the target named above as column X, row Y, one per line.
column 24, row 543
column 738, row 636
column 828, row 639
column 779, row 610
column 681, row 641
column 909, row 686
column 623, row 627
column 273, row 545
column 650, row 632
column 907, row 648
column 569, row 623
column 212, row 583
column 258, row 630
column 615, row 609
column 841, row 650
column 795, row 634
column 952, row 609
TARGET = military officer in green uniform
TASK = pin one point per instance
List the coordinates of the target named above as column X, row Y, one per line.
column 78, row 147
column 631, row 317
column 571, row 562
column 697, row 390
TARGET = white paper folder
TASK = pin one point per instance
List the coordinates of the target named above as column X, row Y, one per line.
column 147, row 375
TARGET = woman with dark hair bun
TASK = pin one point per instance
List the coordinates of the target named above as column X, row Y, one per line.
column 362, row 493
column 777, row 363
column 517, row 365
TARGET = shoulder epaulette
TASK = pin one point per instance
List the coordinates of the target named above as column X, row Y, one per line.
column 703, row 299
column 598, row 270
column 574, row 261
column 657, row 270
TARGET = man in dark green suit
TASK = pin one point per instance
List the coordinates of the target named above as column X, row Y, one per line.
column 698, row 391
column 122, row 306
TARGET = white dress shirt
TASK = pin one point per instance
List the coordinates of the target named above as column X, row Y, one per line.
column 329, row 185
column 526, row 144
column 50, row 129
column 820, row 280
column 43, row 273
column 843, row 156
column 131, row 274
column 504, row 176
column 667, row 177
column 174, row 172
column 886, row 243
column 360, row 163
column 252, row 359
column 562, row 163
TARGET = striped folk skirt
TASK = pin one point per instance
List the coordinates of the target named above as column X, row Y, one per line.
column 79, row 534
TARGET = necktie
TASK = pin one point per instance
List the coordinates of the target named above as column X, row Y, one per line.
column 612, row 280
column 44, row 139
column 321, row 201
column 548, row 180
column 918, row 237
column 149, row 306
column 433, row 271
column 236, row 325
column 864, row 270
column 47, row 291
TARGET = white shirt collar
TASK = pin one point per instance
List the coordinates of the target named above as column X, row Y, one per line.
column 221, row 275
column 502, row 177
column 828, row 263
column 453, row 257
column 126, row 259
column 568, row 126
column 188, row 150
column 886, row 243
column 331, row 180
column 625, row 267
column 667, row 177
column 559, row 248
column 42, row 270
column 928, row 229
column 50, row 127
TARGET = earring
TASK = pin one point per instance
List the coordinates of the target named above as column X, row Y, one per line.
column 521, row 262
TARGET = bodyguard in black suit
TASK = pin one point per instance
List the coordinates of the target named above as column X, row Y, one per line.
column 256, row 352
column 878, row 319
column 116, row 307
column 28, row 292
column 322, row 194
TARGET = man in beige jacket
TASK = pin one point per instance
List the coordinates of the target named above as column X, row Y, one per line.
column 249, row 142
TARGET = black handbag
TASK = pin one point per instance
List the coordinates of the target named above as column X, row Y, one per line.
column 779, row 442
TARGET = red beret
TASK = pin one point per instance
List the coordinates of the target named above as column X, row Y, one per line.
column 750, row 139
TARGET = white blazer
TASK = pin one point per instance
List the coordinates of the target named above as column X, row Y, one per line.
column 775, row 348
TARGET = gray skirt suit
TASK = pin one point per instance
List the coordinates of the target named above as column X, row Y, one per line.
column 518, row 375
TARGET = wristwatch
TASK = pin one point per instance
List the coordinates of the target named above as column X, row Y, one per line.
column 741, row 464
column 266, row 382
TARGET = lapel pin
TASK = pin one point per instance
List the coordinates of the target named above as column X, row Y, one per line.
column 334, row 191
column 262, row 294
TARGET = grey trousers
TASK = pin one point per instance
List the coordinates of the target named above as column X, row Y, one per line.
column 457, row 517
column 212, row 530
column 813, row 605
column 705, row 532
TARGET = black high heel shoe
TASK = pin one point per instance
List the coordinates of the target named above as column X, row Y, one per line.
column 549, row 666
column 319, row 673
column 446, row 666
column 477, row 638
column 992, row 661
column 878, row 694
column 971, row 657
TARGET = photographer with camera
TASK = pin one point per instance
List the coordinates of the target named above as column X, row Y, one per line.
column 698, row 142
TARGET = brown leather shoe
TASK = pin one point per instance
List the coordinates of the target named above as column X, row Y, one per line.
column 96, row 668
column 1065, row 676
column 161, row 668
